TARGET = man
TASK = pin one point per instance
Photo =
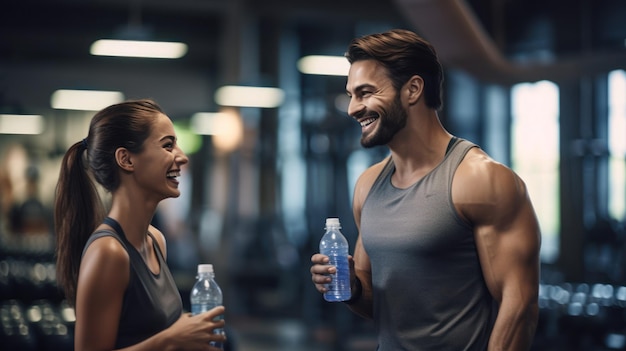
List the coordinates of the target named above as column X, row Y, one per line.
column 447, row 256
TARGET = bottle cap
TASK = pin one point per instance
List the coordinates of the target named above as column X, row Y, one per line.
column 334, row 222
column 205, row 268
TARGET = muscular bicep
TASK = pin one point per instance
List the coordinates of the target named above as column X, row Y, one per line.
column 361, row 190
column 361, row 259
column 103, row 278
column 496, row 202
column 509, row 254
column 362, row 265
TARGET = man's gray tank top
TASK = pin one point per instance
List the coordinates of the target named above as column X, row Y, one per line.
column 152, row 302
column 429, row 291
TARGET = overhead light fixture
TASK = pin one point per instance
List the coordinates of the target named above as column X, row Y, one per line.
column 138, row 48
column 246, row 96
column 84, row 100
column 324, row 65
column 136, row 40
column 21, row 124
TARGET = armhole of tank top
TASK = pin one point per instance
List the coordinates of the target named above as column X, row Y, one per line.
column 379, row 177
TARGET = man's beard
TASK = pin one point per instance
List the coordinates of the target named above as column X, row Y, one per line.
column 389, row 123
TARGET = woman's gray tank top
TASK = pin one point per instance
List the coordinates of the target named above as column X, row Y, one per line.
column 152, row 302
column 429, row 291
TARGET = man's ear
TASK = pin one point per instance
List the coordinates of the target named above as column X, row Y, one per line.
column 124, row 159
column 415, row 86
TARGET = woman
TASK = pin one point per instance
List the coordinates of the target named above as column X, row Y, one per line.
column 112, row 268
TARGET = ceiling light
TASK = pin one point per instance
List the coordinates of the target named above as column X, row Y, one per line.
column 324, row 65
column 138, row 48
column 84, row 100
column 245, row 96
column 21, row 124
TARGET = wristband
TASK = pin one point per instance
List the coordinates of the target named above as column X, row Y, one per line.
column 358, row 291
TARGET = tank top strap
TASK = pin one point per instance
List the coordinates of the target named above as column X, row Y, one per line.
column 388, row 168
column 118, row 229
column 157, row 248
column 451, row 143
column 457, row 151
column 115, row 225
column 117, row 233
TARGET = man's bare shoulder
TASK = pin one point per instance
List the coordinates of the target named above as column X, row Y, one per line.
column 480, row 169
column 483, row 184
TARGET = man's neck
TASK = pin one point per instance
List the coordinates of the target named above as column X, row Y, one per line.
column 417, row 149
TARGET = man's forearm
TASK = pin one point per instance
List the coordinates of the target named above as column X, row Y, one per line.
column 361, row 300
column 514, row 330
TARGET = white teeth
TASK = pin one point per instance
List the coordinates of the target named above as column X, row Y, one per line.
column 173, row 174
column 367, row 122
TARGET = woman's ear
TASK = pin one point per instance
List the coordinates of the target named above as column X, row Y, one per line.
column 415, row 87
column 124, row 159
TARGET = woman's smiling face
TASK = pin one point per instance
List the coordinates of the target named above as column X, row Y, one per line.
column 158, row 165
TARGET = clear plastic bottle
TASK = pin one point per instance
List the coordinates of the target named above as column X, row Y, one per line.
column 206, row 294
column 335, row 246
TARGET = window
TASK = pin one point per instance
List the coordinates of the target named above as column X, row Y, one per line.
column 535, row 155
column 617, row 145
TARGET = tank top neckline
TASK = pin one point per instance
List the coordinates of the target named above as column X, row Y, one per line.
column 390, row 168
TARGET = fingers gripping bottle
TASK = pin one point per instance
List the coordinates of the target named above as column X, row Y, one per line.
column 335, row 246
column 206, row 294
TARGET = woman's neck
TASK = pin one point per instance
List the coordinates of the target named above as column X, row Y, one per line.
column 133, row 215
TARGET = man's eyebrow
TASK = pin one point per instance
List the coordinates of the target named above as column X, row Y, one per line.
column 171, row 137
column 360, row 87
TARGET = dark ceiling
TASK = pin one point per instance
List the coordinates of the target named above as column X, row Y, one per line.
column 44, row 43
